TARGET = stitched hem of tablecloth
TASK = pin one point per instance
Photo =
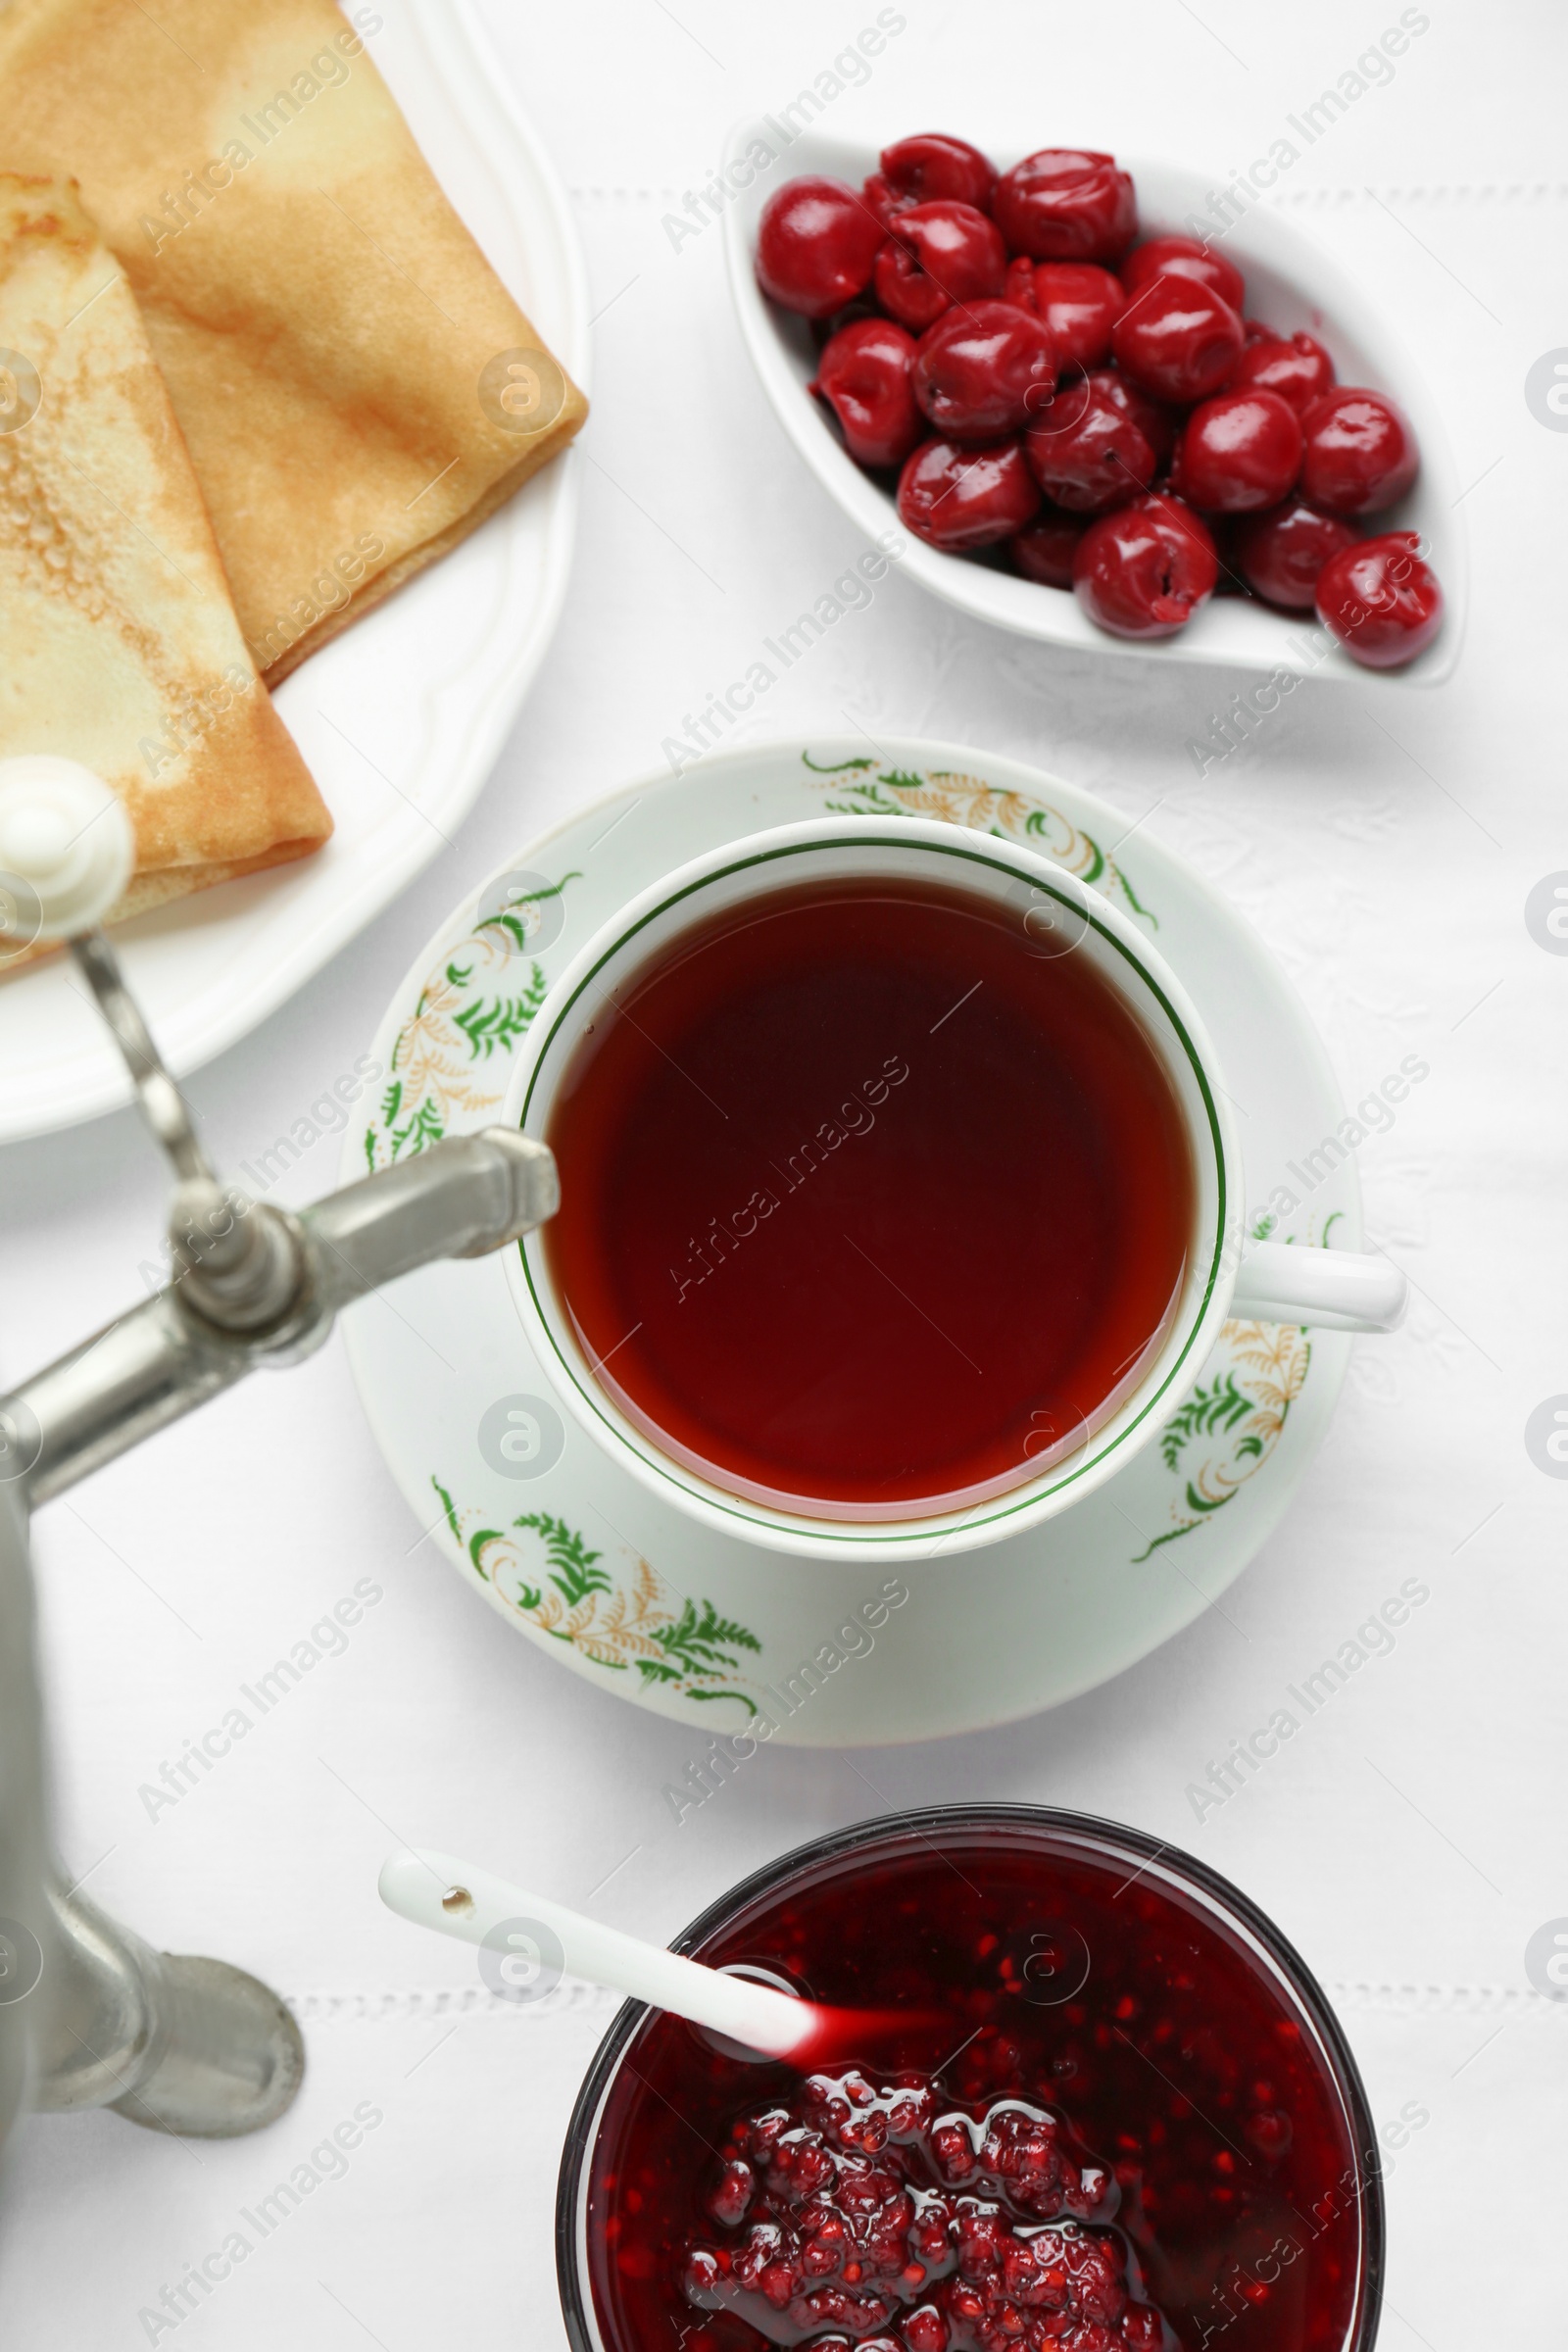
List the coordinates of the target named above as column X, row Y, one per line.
column 396, row 2004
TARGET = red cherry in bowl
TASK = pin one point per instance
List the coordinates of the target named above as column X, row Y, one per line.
column 983, row 371
column 1078, row 301
column 884, row 199
column 1045, row 552
column 823, row 330
column 932, row 164
column 1019, row 284
column 1279, row 554
column 1299, row 370
column 1360, row 452
column 1381, row 599
column 816, row 245
column 939, row 254
column 959, row 497
column 1066, row 204
column 1145, row 569
column 864, row 375
column 1177, row 340
column 1089, row 448
column 1237, row 452
column 1158, row 424
column 903, row 289
column 1183, row 257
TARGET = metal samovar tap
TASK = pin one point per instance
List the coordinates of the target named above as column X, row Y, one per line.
column 91, row 2015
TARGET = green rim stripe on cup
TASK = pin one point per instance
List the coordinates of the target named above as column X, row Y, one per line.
column 839, row 1532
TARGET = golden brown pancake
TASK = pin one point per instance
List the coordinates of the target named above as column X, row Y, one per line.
column 119, row 642
column 357, row 388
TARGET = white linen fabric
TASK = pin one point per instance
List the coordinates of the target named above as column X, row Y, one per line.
column 1385, row 846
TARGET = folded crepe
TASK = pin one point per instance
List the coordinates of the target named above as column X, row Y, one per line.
column 357, row 388
column 119, row 643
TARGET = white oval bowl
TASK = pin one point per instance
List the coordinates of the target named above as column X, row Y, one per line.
column 1291, row 283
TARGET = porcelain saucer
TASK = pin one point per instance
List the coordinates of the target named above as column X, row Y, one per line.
column 697, row 1624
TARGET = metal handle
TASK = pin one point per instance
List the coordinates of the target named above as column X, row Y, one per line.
column 178, row 2043
column 163, row 1105
column 151, row 1366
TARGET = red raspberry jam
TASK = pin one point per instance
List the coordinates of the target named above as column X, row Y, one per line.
column 881, row 2213
column 1135, row 2127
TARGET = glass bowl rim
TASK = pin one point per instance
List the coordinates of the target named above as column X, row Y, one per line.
column 922, row 1820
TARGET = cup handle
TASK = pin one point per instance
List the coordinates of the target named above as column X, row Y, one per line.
column 1338, row 1289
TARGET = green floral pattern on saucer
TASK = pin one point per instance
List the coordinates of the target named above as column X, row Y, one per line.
column 871, row 788
column 626, row 1618
column 1232, row 1422
column 450, row 1063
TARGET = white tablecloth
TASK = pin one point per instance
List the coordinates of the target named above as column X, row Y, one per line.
column 1409, row 1840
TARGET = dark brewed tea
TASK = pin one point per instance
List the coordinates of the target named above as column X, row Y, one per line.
column 869, row 1204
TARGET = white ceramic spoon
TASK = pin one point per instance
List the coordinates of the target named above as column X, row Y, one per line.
column 437, row 1891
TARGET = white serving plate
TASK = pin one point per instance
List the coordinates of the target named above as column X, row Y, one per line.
column 1291, row 283
column 402, row 716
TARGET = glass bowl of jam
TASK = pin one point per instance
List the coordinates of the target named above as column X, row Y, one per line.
column 1121, row 2116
